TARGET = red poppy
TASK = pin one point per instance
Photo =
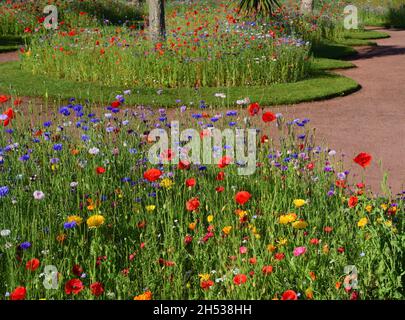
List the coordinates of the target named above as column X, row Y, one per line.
column 190, row 182
column 220, row 176
column 115, row 104
column 254, row 109
column 17, row 102
column 239, row 279
column 224, row 161
column 206, row 284
column 77, row 270
column 340, row 184
column 32, row 264
column 363, row 159
column 269, row 117
column 100, row 170
column 19, row 293
column 192, row 204
column 219, row 189
column 152, row 174
column 73, row 286
column 264, row 139
column 279, row 256
column 253, row 260
column 10, row 115
column 242, row 197
column 360, row 185
column 188, row 239
column 353, row 202
column 267, row 269
column 314, row 241
column 183, row 165
column 328, row 229
column 3, row 98
column 289, row 295
column 97, row 289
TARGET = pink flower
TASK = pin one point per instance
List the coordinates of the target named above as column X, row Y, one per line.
column 299, row 251
column 243, row 250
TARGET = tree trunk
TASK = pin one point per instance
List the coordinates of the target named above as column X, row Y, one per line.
column 307, row 6
column 157, row 26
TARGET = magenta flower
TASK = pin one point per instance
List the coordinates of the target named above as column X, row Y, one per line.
column 299, row 251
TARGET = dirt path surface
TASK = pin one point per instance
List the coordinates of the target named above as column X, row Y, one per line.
column 371, row 120
column 9, row 56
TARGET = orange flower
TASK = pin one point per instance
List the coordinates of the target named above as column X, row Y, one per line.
column 144, row 296
column 74, row 152
column 312, row 275
column 337, row 285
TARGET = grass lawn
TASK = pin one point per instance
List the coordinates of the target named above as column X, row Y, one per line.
column 321, row 86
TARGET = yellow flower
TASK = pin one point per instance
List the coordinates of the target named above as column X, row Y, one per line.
column 282, row 241
column 384, row 206
column 388, row 223
column 362, row 222
column 227, row 230
column 95, row 221
column 210, row 218
column 299, row 224
column 76, row 219
column 369, row 208
column 325, row 249
column 242, row 213
column 271, row 247
column 150, row 208
column 167, row 183
column 299, row 203
column 287, row 218
column 204, row 276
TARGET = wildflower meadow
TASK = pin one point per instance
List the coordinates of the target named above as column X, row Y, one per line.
column 176, row 179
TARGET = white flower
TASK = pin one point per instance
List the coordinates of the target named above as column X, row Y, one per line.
column 5, row 232
column 38, row 195
column 220, row 95
column 73, row 184
column 94, row 151
column 332, row 153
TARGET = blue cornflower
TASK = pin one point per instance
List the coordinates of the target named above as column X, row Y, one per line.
column 25, row 245
column 69, row 225
column 65, row 111
column 25, row 157
column 232, row 113
column 47, row 124
column 232, row 123
column 85, row 138
column 4, row 191
column 57, row 147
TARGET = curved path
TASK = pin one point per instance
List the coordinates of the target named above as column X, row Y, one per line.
column 371, row 120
